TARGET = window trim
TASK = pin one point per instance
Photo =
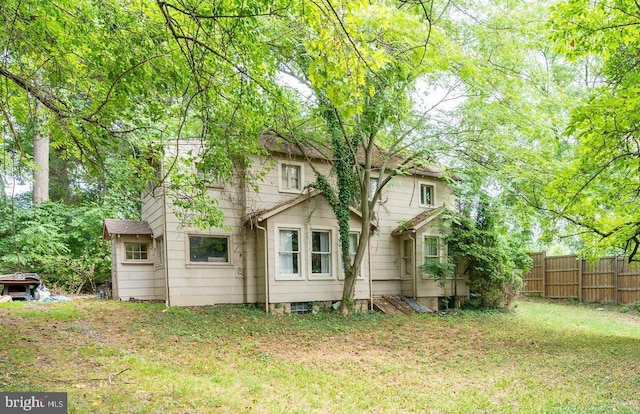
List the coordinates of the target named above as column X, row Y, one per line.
column 433, row 194
column 437, row 257
column 189, row 263
column 407, row 258
column 371, row 190
column 332, row 249
column 146, row 260
column 301, row 255
column 281, row 164
column 160, row 259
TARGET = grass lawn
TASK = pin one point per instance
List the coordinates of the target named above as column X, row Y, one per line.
column 115, row 357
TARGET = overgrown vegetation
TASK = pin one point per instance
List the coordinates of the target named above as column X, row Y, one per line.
column 59, row 242
column 483, row 249
column 133, row 357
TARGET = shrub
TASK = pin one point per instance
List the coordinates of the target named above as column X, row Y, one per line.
column 60, row 243
column 490, row 255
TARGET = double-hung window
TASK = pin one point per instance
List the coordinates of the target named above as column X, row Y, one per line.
column 407, row 257
column 289, row 252
column 431, row 252
column 321, row 252
column 373, row 186
column 291, row 177
column 426, row 195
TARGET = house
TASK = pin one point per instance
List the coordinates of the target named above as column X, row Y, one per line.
column 279, row 246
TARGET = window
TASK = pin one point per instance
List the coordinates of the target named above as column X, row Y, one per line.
column 136, row 251
column 373, row 186
column 407, row 257
column 431, row 254
column 354, row 237
column 208, row 249
column 353, row 245
column 300, row 308
column 320, row 252
column 289, row 251
column 291, row 177
column 210, row 177
column 160, row 251
column 426, row 195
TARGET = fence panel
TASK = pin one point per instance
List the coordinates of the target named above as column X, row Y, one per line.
column 599, row 280
column 562, row 278
column 628, row 282
column 610, row 279
column 534, row 280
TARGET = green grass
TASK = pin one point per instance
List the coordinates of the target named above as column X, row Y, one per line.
column 114, row 357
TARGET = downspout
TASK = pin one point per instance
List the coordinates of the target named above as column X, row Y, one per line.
column 266, row 267
column 414, row 267
column 167, row 301
column 369, row 272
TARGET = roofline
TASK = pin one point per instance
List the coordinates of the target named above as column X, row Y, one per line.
column 263, row 215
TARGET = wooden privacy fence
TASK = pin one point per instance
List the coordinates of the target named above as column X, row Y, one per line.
column 610, row 279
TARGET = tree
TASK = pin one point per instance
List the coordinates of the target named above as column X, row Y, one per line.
column 595, row 190
column 362, row 62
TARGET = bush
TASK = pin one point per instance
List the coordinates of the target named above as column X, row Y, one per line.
column 60, row 243
column 490, row 255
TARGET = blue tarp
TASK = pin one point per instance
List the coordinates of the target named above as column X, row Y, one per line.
column 56, row 299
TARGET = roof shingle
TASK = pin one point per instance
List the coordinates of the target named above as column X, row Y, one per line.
column 132, row 227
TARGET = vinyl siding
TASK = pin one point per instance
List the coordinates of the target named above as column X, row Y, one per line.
column 243, row 279
column 136, row 280
column 312, row 214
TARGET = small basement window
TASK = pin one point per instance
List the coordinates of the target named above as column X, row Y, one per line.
column 300, row 307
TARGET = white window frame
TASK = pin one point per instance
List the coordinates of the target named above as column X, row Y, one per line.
column 301, row 181
column 360, row 275
column 433, row 194
column 147, row 252
column 332, row 249
column 190, row 263
column 438, row 257
column 301, row 255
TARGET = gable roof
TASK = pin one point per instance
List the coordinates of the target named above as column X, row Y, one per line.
column 262, row 215
column 418, row 221
column 129, row 227
column 319, row 151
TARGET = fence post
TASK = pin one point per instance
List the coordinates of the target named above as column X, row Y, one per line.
column 580, row 275
column 616, row 271
column 544, row 274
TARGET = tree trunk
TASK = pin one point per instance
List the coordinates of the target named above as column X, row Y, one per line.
column 41, row 160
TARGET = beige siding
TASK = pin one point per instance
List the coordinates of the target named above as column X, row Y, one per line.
column 269, row 194
column 400, row 202
column 204, row 283
column 243, row 279
column 314, row 214
column 136, row 280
